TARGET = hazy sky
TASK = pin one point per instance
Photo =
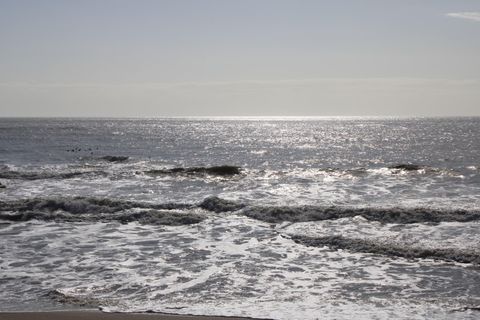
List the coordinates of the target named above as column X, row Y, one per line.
column 244, row 57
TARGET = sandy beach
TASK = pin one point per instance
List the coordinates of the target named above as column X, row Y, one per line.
column 98, row 315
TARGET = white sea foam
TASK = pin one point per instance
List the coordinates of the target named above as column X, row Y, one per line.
column 223, row 266
column 459, row 235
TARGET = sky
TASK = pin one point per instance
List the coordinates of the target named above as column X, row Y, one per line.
column 168, row 58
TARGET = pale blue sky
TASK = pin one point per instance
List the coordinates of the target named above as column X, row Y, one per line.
column 244, row 57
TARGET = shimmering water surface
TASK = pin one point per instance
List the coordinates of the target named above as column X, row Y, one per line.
column 313, row 218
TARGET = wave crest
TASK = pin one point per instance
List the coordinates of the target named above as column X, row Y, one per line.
column 386, row 215
column 52, row 208
column 42, row 175
column 389, row 249
column 216, row 171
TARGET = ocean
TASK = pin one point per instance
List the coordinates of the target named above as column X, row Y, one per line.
column 276, row 218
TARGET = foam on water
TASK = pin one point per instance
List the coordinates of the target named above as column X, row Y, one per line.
column 460, row 235
column 222, row 266
column 374, row 187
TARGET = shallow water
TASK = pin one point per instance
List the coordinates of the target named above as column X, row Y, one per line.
column 328, row 218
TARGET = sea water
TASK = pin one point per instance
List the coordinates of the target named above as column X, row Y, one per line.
column 283, row 218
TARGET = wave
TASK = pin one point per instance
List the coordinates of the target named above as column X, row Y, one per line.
column 215, row 170
column 114, row 158
column 53, row 208
column 397, row 169
column 218, row 205
column 390, row 249
column 32, row 175
column 63, row 296
column 400, row 215
column 81, row 205
column 407, row 167
column 97, row 210
column 153, row 217
column 226, row 171
column 47, row 174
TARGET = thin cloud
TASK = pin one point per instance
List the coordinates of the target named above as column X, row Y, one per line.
column 465, row 15
column 232, row 83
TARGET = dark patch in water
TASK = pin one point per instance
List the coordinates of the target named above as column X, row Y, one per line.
column 385, row 215
column 406, row 167
column 217, row 205
column 216, row 170
column 114, row 158
column 467, row 308
column 367, row 246
column 2, row 186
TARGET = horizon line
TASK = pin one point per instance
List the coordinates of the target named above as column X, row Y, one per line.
column 242, row 117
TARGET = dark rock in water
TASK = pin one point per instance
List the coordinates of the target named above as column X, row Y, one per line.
column 216, row 204
column 114, row 158
column 216, row 170
column 2, row 186
column 407, row 167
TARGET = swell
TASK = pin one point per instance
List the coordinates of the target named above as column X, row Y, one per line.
column 154, row 217
column 82, row 205
column 399, row 215
column 390, row 170
column 86, row 209
column 389, row 249
column 225, row 170
column 42, row 175
column 98, row 209
column 221, row 171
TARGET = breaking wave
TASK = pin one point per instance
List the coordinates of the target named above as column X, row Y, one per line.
column 223, row 171
column 42, row 175
column 274, row 214
column 392, row 170
column 81, row 205
column 218, row 205
column 63, row 296
column 97, row 209
column 215, row 170
column 390, row 249
column 169, row 218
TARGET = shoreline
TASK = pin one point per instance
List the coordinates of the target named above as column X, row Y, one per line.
column 99, row 315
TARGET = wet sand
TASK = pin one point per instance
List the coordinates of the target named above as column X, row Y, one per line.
column 98, row 315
